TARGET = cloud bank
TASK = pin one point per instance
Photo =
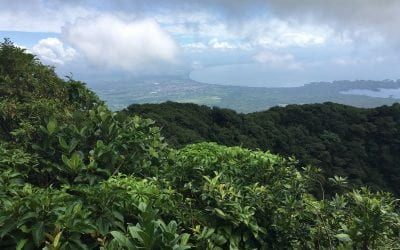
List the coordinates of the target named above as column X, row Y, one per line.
column 145, row 36
column 116, row 43
column 51, row 50
column 365, row 18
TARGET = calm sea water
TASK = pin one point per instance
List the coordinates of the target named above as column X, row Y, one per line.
column 384, row 93
column 261, row 75
column 249, row 75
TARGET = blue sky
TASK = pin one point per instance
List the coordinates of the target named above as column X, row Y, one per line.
column 240, row 42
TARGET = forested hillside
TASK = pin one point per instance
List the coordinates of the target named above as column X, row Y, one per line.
column 362, row 144
column 74, row 175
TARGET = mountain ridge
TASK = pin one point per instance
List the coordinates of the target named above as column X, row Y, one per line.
column 359, row 143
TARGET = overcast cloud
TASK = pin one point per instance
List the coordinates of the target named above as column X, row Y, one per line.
column 350, row 16
column 142, row 36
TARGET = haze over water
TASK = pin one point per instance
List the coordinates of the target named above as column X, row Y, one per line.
column 258, row 75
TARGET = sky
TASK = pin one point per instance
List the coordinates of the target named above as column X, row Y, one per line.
column 238, row 42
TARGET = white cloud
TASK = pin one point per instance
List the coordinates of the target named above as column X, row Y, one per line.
column 216, row 44
column 279, row 60
column 276, row 33
column 52, row 50
column 352, row 61
column 116, row 43
column 39, row 15
column 22, row 47
column 337, row 33
column 216, row 18
column 258, row 31
column 199, row 46
column 369, row 16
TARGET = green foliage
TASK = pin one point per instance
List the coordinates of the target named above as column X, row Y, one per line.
column 82, row 177
column 80, row 216
column 150, row 233
column 31, row 91
column 89, row 149
column 360, row 144
column 14, row 158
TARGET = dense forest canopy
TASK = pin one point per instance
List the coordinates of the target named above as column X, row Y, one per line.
column 74, row 175
column 361, row 144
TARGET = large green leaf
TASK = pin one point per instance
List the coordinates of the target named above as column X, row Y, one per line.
column 122, row 239
column 38, row 233
column 51, row 126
